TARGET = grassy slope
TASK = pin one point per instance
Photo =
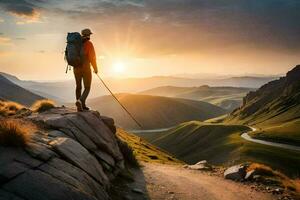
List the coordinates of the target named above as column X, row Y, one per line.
column 154, row 111
column 222, row 144
column 144, row 151
column 274, row 109
column 276, row 121
column 288, row 133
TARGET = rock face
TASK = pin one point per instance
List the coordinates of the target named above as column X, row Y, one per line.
column 272, row 100
column 75, row 156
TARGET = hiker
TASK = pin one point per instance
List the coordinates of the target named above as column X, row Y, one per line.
column 83, row 72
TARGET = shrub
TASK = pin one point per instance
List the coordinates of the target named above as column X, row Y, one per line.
column 8, row 108
column 43, row 105
column 14, row 133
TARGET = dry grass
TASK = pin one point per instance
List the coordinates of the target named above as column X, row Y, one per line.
column 144, row 151
column 9, row 108
column 43, row 105
column 15, row 133
column 288, row 183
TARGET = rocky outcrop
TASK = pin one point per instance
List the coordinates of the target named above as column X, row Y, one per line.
column 272, row 99
column 73, row 156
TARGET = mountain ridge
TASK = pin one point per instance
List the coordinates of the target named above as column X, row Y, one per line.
column 153, row 111
column 274, row 102
column 11, row 92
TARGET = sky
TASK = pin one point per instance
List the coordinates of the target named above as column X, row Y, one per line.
column 138, row 38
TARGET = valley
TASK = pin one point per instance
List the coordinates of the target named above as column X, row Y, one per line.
column 154, row 112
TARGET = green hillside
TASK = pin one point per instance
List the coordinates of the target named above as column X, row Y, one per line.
column 274, row 109
column 288, row 133
column 221, row 144
column 228, row 98
column 153, row 111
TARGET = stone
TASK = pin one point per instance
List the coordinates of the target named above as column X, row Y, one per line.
column 40, row 151
column 137, row 190
column 56, row 133
column 105, row 157
column 202, row 165
column 250, row 174
column 45, row 187
column 15, row 161
column 87, row 182
column 236, row 173
column 6, row 195
column 110, row 123
column 76, row 154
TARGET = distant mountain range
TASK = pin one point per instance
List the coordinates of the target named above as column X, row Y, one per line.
column 154, row 111
column 63, row 91
column 12, row 92
column 228, row 98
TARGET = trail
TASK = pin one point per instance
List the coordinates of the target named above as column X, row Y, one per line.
column 175, row 182
column 247, row 137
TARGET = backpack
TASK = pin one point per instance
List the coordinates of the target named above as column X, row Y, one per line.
column 74, row 51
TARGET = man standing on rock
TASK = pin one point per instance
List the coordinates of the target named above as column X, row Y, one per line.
column 84, row 73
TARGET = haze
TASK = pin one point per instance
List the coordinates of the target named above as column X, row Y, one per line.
column 151, row 37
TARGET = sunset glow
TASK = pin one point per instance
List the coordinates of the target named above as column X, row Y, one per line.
column 118, row 67
column 194, row 36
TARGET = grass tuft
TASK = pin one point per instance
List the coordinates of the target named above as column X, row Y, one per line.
column 14, row 133
column 9, row 108
column 290, row 184
column 43, row 105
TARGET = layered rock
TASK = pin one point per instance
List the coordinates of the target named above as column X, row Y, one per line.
column 74, row 156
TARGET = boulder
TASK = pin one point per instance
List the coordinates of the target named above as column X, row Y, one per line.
column 201, row 165
column 236, row 173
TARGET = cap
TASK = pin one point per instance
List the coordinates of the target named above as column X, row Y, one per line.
column 86, row 32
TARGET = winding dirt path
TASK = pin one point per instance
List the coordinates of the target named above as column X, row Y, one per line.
column 247, row 137
column 175, row 182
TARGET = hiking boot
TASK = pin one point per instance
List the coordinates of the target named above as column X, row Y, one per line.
column 79, row 106
column 85, row 108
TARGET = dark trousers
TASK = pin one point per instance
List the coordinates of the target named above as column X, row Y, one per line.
column 85, row 75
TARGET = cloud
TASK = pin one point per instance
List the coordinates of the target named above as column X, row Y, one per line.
column 173, row 26
column 25, row 11
column 1, row 20
column 177, row 26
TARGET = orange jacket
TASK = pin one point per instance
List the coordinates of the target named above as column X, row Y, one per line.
column 90, row 54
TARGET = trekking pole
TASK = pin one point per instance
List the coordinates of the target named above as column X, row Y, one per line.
column 112, row 94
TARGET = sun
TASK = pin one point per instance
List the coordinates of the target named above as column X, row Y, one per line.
column 118, row 67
